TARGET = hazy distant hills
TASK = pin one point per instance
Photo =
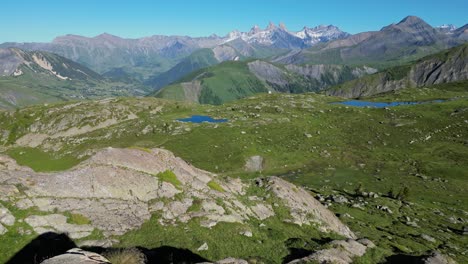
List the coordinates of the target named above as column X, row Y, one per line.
column 149, row 56
column 237, row 79
column 444, row 67
column 407, row 40
column 31, row 77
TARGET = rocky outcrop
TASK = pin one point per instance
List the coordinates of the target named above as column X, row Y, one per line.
column 445, row 67
column 339, row 252
column 305, row 209
column 117, row 190
column 438, row 258
column 309, row 77
column 254, row 163
column 268, row 72
column 77, row 256
column 57, row 223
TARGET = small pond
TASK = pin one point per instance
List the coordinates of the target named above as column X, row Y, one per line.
column 359, row 103
column 201, row 119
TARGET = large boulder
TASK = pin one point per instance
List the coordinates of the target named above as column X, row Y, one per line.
column 118, row 190
column 254, row 163
column 339, row 252
column 77, row 256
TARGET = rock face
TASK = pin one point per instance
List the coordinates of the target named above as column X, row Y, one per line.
column 316, row 77
column 340, row 252
column 302, row 205
column 411, row 35
column 57, row 223
column 254, row 163
column 445, row 67
column 77, row 256
column 6, row 217
column 117, row 190
column 438, row 258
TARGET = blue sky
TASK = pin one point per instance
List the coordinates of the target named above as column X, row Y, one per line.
column 34, row 20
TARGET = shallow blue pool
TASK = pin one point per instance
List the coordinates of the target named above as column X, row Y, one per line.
column 201, row 119
column 359, row 103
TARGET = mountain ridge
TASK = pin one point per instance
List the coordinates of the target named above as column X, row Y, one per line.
column 32, row 77
column 444, row 67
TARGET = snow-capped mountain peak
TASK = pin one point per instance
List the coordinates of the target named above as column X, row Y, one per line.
column 283, row 26
column 447, row 28
column 280, row 36
column 271, row 26
column 254, row 30
column 321, row 33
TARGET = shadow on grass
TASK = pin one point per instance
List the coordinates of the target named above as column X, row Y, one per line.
column 51, row 244
column 43, row 247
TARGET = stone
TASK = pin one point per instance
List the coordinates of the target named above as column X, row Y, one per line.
column 105, row 243
column 340, row 199
column 263, row 211
column 7, row 192
column 366, row 242
column 338, row 252
column 118, row 189
column 203, row 247
column 254, row 163
column 77, row 256
column 57, row 223
column 438, row 258
column 6, row 217
column 428, row 238
column 3, row 230
column 246, row 233
column 305, row 209
column 385, row 209
column 232, row 261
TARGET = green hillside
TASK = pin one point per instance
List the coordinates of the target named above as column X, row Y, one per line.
column 45, row 77
column 443, row 67
column 225, row 82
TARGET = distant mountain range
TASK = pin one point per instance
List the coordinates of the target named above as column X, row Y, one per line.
column 410, row 39
column 31, row 77
column 312, row 59
column 233, row 80
column 444, row 67
column 149, row 56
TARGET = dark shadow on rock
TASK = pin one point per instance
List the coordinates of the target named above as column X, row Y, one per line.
column 44, row 246
column 166, row 254
column 407, row 259
column 51, row 244
column 160, row 255
column 296, row 253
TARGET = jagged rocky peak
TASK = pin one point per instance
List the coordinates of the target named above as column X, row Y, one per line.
column 254, row 30
column 447, row 28
column 450, row 27
column 413, row 22
column 271, row 26
column 234, row 34
column 283, row 26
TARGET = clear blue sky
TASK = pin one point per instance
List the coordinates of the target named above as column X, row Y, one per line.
column 36, row 20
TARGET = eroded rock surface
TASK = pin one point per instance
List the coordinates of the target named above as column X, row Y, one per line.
column 119, row 189
column 77, row 256
column 340, row 252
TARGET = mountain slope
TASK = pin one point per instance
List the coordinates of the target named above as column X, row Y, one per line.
column 141, row 57
column 199, row 59
column 36, row 77
column 444, row 67
column 410, row 39
column 233, row 80
column 145, row 58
